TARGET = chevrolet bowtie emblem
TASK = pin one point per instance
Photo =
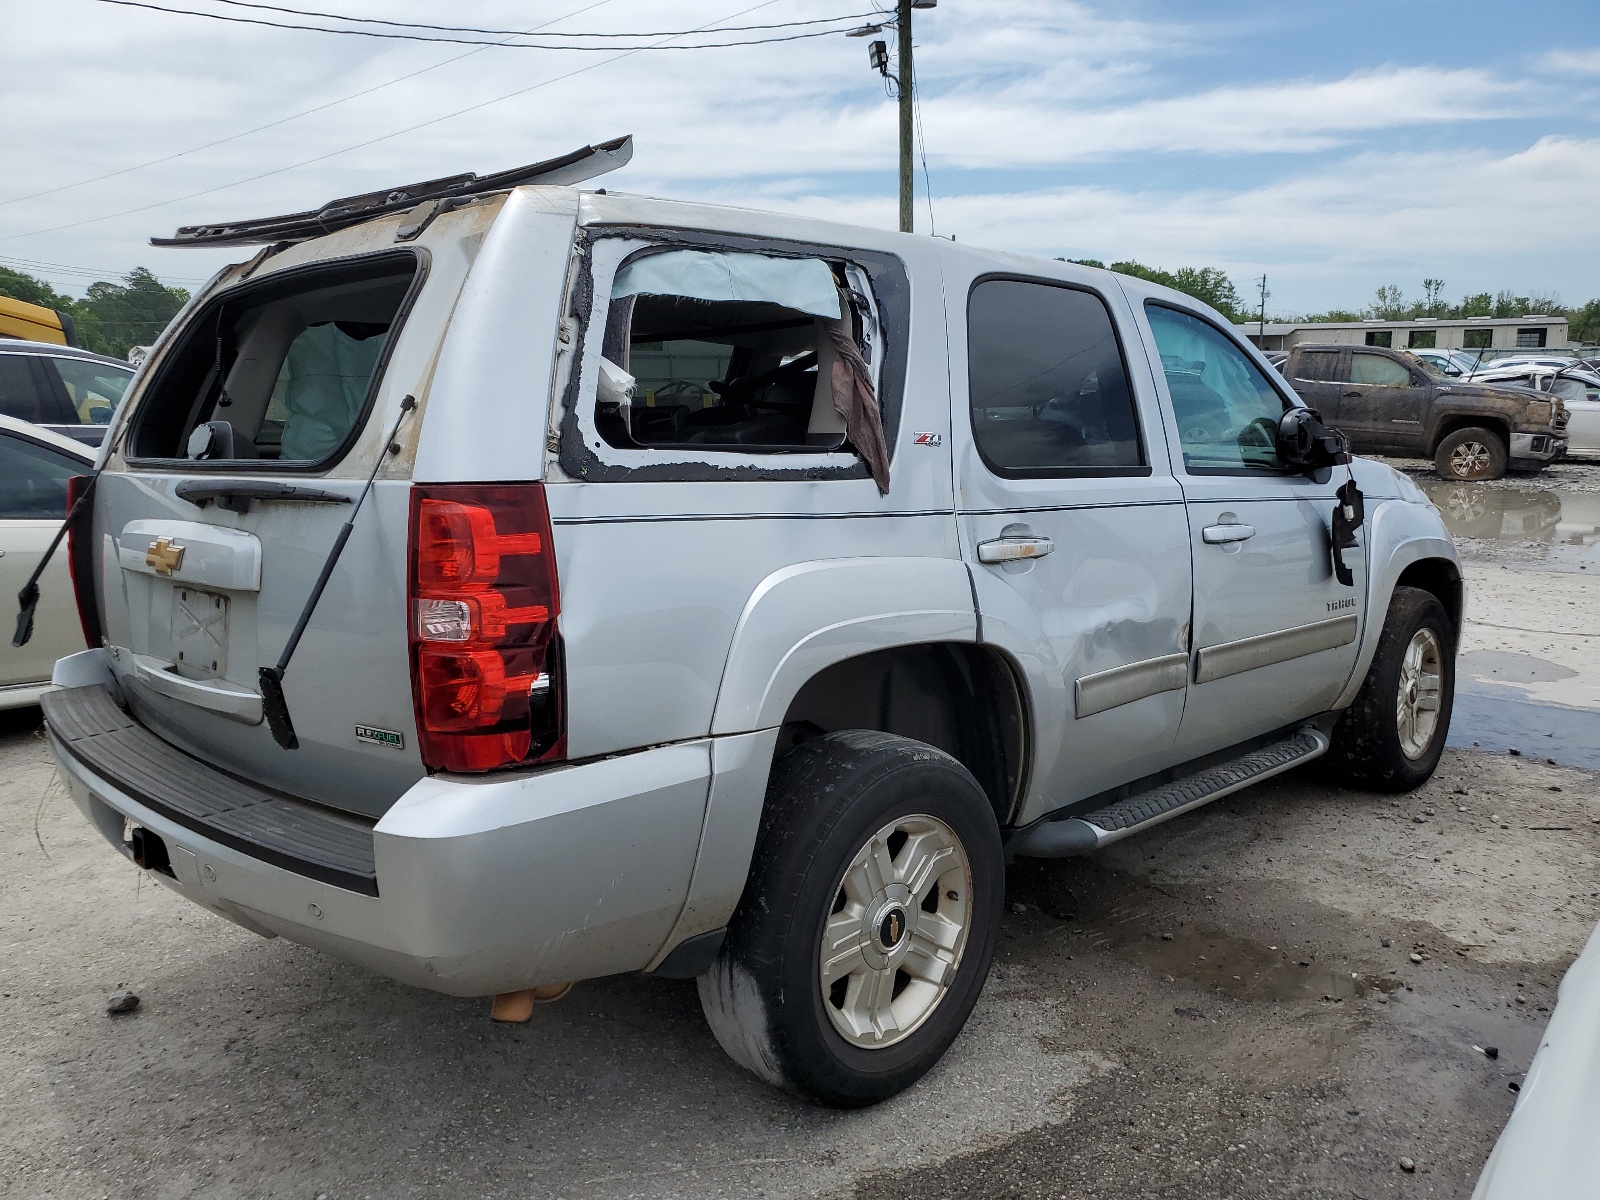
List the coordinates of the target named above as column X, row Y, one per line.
column 164, row 556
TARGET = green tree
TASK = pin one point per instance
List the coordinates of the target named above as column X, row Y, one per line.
column 32, row 291
column 1583, row 324
column 1390, row 304
column 1210, row 285
column 130, row 313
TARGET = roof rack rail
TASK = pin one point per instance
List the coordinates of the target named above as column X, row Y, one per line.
column 576, row 167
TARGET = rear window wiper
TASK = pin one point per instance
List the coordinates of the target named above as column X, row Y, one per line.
column 236, row 494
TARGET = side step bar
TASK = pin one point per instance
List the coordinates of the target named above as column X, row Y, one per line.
column 1087, row 833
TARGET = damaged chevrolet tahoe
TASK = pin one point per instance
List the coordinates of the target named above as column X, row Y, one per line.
column 500, row 585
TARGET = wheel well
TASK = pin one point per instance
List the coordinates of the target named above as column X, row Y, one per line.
column 1441, row 577
column 1492, row 424
column 964, row 699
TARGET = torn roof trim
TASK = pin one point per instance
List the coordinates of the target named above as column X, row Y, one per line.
column 580, row 165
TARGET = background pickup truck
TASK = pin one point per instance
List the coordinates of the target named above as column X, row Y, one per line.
column 1387, row 402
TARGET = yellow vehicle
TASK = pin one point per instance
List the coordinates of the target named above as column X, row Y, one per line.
column 35, row 323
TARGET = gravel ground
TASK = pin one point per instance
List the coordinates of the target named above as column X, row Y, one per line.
column 1283, row 1042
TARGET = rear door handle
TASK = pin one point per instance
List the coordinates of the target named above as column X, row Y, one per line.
column 1014, row 549
column 1221, row 535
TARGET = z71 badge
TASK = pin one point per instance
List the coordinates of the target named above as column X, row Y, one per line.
column 928, row 439
column 381, row 737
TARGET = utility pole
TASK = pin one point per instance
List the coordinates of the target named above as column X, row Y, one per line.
column 907, row 83
column 1261, row 328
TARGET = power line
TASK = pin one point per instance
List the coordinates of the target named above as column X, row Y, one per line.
column 922, row 148
column 417, row 37
column 305, row 12
column 233, row 137
column 370, row 141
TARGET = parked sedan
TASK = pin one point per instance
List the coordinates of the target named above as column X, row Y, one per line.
column 1578, row 388
column 64, row 389
column 35, row 465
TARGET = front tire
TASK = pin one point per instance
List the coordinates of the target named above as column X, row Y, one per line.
column 868, row 923
column 1391, row 738
column 1471, row 455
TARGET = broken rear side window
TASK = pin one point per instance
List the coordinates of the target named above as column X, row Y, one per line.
column 281, row 372
column 738, row 351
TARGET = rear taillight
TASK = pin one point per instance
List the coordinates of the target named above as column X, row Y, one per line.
column 80, row 560
column 485, row 657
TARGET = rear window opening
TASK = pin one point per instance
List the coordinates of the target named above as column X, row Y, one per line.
column 739, row 351
column 280, row 373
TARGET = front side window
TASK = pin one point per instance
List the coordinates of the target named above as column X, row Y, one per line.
column 1046, row 383
column 723, row 349
column 283, row 371
column 33, row 480
column 1377, row 371
column 94, row 389
column 1227, row 412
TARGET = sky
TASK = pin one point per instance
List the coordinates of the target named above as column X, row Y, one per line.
column 1336, row 147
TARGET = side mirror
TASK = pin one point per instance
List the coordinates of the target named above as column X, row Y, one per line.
column 1308, row 445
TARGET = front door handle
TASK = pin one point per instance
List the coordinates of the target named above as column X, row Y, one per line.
column 1352, row 395
column 1014, row 549
column 1221, row 535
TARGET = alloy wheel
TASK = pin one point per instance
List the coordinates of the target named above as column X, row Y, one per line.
column 1420, row 693
column 893, row 941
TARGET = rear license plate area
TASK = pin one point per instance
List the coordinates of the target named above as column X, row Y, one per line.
column 199, row 632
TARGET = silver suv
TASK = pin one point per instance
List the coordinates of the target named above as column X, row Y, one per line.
column 734, row 595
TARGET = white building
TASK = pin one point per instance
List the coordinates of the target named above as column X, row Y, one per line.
column 1423, row 333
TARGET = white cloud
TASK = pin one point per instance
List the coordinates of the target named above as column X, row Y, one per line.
column 1039, row 88
column 1482, row 221
column 1583, row 61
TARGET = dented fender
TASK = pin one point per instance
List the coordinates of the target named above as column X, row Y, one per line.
column 811, row 615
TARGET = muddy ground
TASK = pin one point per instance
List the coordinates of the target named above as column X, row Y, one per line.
column 1227, row 1006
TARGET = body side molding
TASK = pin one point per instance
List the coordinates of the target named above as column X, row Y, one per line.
column 1132, row 681
column 1233, row 658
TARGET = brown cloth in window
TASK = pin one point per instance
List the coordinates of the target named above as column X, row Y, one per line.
column 858, row 404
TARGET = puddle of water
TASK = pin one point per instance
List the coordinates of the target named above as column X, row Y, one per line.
column 1495, row 721
column 1559, row 530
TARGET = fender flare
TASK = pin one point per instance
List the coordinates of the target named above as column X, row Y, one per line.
column 1400, row 534
column 811, row 615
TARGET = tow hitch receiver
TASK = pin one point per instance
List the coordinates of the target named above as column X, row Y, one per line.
column 149, row 851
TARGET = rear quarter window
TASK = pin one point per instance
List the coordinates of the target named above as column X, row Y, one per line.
column 279, row 373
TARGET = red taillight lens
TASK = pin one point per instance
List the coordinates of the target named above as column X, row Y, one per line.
column 80, row 561
column 484, row 601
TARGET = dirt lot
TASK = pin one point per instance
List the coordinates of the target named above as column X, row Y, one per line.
column 1225, row 1007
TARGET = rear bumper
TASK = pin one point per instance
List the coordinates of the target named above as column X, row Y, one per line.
column 477, row 887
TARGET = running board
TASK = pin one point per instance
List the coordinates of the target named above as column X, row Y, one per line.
column 1087, row 833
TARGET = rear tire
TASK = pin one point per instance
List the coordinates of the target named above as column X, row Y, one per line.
column 1391, row 738
column 1471, row 455
column 868, row 922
